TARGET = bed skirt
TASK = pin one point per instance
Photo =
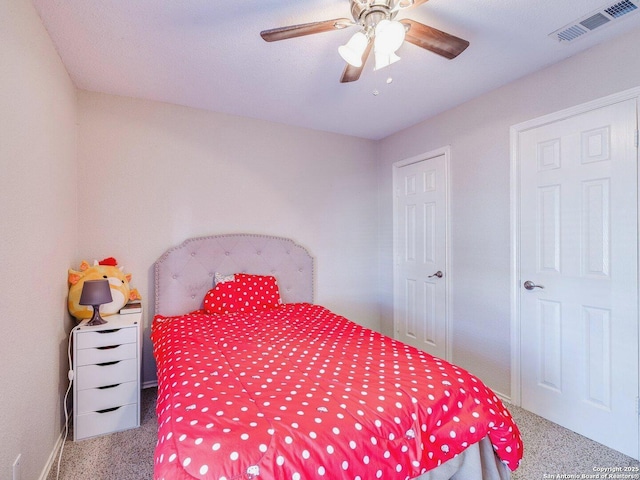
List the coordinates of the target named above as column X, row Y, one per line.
column 478, row 459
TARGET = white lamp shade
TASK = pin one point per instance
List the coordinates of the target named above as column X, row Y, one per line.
column 389, row 36
column 385, row 59
column 354, row 49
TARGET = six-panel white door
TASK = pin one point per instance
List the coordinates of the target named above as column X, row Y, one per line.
column 421, row 254
column 579, row 249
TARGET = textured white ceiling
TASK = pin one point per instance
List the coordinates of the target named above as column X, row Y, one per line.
column 208, row 54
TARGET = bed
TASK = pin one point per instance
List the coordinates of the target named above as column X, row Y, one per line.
column 255, row 381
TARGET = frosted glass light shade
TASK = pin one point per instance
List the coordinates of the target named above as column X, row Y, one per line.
column 389, row 36
column 385, row 59
column 354, row 49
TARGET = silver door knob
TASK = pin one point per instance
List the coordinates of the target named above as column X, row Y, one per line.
column 529, row 285
column 438, row 274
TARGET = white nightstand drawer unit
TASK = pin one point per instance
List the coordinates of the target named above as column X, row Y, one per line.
column 108, row 337
column 106, row 389
column 102, row 398
column 93, row 356
column 106, row 421
column 103, row 374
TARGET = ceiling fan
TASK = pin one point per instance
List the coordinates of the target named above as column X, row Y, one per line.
column 379, row 31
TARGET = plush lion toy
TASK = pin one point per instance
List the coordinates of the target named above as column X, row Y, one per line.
column 108, row 268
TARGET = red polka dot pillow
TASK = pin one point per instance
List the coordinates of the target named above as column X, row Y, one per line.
column 221, row 298
column 243, row 293
column 257, row 292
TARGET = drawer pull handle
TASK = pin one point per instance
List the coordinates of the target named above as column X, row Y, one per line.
column 106, row 364
column 113, row 330
column 108, row 347
column 108, row 386
column 107, row 410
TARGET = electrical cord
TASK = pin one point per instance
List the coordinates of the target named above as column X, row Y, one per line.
column 71, row 376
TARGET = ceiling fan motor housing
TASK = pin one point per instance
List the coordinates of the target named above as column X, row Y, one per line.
column 369, row 12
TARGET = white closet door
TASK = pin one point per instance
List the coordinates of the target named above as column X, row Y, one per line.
column 579, row 250
column 421, row 255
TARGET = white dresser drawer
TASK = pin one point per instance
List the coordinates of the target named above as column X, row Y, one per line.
column 90, row 376
column 105, row 338
column 101, row 398
column 112, row 353
column 106, row 380
column 97, row 423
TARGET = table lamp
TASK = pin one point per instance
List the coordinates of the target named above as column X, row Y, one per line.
column 95, row 293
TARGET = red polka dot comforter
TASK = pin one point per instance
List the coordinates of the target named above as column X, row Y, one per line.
column 298, row 392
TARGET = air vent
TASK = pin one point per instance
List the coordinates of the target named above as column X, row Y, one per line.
column 588, row 23
column 594, row 21
column 621, row 8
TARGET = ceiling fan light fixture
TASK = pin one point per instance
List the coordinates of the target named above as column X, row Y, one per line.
column 385, row 59
column 353, row 50
column 380, row 32
column 389, row 36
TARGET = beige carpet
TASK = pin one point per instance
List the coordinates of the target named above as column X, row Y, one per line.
column 551, row 452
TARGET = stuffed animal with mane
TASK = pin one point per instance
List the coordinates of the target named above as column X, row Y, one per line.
column 108, row 269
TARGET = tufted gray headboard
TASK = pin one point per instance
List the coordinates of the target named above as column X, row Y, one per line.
column 183, row 274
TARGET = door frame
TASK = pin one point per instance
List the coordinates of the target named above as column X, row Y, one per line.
column 446, row 152
column 514, row 132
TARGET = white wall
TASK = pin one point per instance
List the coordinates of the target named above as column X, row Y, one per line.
column 38, row 223
column 478, row 133
column 153, row 175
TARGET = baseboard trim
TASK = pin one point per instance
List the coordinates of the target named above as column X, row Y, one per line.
column 503, row 397
column 150, row 384
column 52, row 457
